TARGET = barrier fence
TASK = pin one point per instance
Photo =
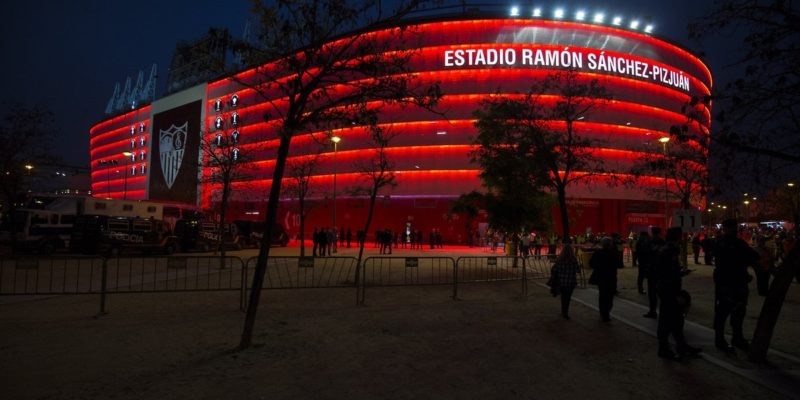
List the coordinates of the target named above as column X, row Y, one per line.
column 94, row 275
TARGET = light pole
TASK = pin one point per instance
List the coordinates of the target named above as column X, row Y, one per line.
column 335, row 140
column 747, row 211
column 795, row 204
column 664, row 140
column 127, row 155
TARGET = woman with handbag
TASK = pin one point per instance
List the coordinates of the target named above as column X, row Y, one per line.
column 565, row 269
column 605, row 262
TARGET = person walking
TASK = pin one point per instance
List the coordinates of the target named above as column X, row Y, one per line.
column 605, row 262
column 633, row 240
column 644, row 256
column 732, row 256
column 566, row 267
column 671, row 316
column 766, row 264
column 315, row 242
column 656, row 242
column 696, row 247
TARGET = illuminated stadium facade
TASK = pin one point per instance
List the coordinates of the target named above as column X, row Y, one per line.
column 471, row 58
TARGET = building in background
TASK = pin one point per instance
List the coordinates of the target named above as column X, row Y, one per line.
column 151, row 152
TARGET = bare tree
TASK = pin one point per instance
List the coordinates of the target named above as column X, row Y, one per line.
column 683, row 159
column 227, row 163
column 378, row 172
column 300, row 187
column 26, row 133
column 310, row 76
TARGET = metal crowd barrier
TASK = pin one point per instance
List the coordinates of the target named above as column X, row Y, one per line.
column 406, row 271
column 491, row 269
column 94, row 275
column 304, row 272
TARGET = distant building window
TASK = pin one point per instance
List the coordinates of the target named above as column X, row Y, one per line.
column 141, row 155
column 141, row 141
column 218, row 105
column 133, row 143
column 234, row 100
column 133, row 170
column 218, row 140
column 236, row 154
column 133, row 129
column 141, row 127
column 235, row 119
column 235, row 136
column 218, row 123
column 143, row 169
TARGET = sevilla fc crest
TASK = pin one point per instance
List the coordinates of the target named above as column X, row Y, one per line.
column 171, row 146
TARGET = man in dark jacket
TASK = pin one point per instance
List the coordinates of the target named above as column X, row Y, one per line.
column 644, row 255
column 656, row 242
column 668, row 271
column 732, row 257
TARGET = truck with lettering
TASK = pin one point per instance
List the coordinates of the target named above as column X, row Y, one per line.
column 44, row 224
column 102, row 234
column 198, row 235
column 39, row 231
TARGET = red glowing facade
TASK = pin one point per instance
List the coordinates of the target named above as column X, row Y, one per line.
column 650, row 79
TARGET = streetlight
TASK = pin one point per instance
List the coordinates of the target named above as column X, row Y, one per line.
column 664, row 140
column 795, row 204
column 127, row 155
column 335, row 140
column 747, row 211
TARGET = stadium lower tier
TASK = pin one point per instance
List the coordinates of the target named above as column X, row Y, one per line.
column 425, row 214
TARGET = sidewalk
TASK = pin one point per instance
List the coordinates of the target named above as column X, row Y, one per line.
column 782, row 375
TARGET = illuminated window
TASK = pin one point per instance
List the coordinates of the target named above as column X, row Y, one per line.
column 133, row 143
column 133, row 157
column 133, row 170
column 141, row 155
column 235, row 119
column 218, row 105
column 141, row 127
column 218, row 140
column 235, row 154
column 235, row 136
column 142, row 168
column 133, row 129
column 141, row 141
column 218, row 123
column 234, row 100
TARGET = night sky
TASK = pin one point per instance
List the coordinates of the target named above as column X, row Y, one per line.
column 68, row 55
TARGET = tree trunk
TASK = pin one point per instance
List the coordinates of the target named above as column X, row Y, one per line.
column 302, row 226
column 773, row 304
column 372, row 197
column 263, row 253
column 562, row 205
column 223, row 209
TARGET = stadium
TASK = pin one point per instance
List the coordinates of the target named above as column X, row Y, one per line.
column 152, row 152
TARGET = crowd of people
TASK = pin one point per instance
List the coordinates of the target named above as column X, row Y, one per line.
column 661, row 268
column 325, row 241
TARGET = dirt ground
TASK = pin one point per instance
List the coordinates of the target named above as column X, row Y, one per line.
column 405, row 343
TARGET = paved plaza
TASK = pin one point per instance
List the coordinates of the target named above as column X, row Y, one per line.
column 404, row 342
